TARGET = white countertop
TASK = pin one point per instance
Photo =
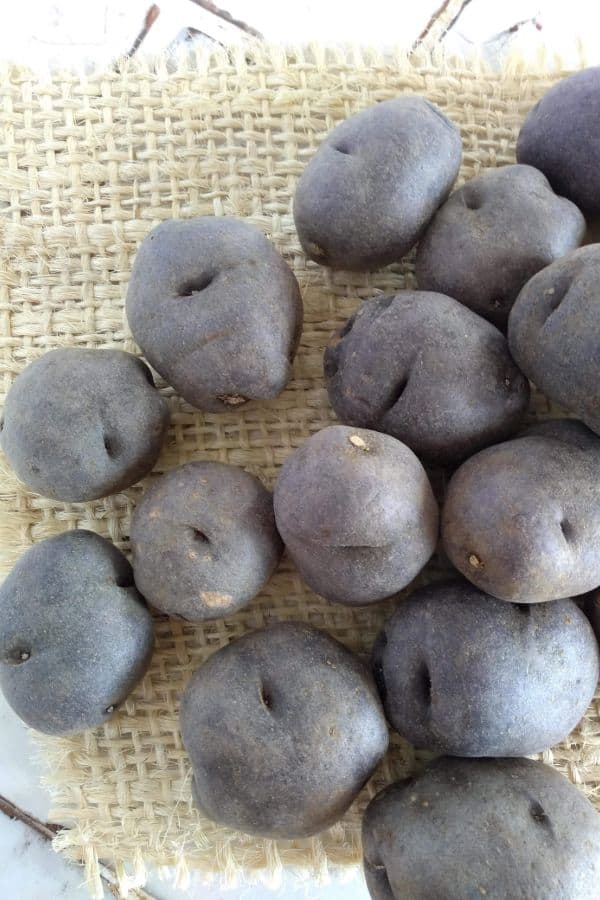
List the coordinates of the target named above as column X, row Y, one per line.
column 31, row 870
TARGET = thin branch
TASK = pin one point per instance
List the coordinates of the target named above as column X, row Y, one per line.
column 49, row 832
column 15, row 812
column 452, row 23
column 191, row 33
column 434, row 18
column 504, row 36
column 149, row 20
column 227, row 17
column 518, row 25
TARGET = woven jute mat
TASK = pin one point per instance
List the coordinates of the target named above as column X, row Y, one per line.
column 88, row 164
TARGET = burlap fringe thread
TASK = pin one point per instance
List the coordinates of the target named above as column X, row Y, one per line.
column 87, row 165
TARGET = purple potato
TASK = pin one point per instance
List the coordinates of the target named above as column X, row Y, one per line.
column 428, row 371
column 492, row 235
column 216, row 310
column 591, row 608
column 502, row 829
column 554, row 332
column 204, row 541
column 375, row 182
column 561, row 137
column 463, row 673
column 521, row 519
column 81, row 424
column 75, row 634
column 283, row 727
column 357, row 514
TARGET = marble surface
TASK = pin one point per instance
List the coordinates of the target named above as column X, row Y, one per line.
column 30, row 870
column 70, row 32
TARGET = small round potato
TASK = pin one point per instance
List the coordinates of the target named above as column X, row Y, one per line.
column 554, row 332
column 522, row 519
column 81, row 424
column 492, row 235
column 204, row 541
column 375, row 182
column 463, row 673
column 357, row 514
column 283, row 727
column 561, row 137
column 75, row 635
column 501, row 829
column 216, row 310
column 428, row 371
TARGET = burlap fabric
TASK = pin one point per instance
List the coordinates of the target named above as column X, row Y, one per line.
column 87, row 166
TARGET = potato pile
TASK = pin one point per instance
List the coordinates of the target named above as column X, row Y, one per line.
column 285, row 725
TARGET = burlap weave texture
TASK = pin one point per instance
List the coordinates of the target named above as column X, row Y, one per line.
column 87, row 166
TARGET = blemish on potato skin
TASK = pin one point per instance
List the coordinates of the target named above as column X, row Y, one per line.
column 475, row 562
column 232, row 399
column 214, row 599
column 357, row 441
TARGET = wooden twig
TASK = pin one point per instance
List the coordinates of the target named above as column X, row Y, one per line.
column 49, row 832
column 191, row 34
column 434, row 18
column 15, row 812
column 453, row 22
column 149, row 20
column 227, row 17
column 504, row 36
column 518, row 25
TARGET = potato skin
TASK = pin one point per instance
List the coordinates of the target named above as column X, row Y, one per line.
column 357, row 514
column 75, row 635
column 204, row 541
column 521, row 520
column 375, row 182
column 427, row 370
column 492, row 235
column 591, row 607
column 216, row 310
column 283, row 727
column 554, row 332
column 561, row 137
column 463, row 673
column 81, row 424
column 503, row 829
